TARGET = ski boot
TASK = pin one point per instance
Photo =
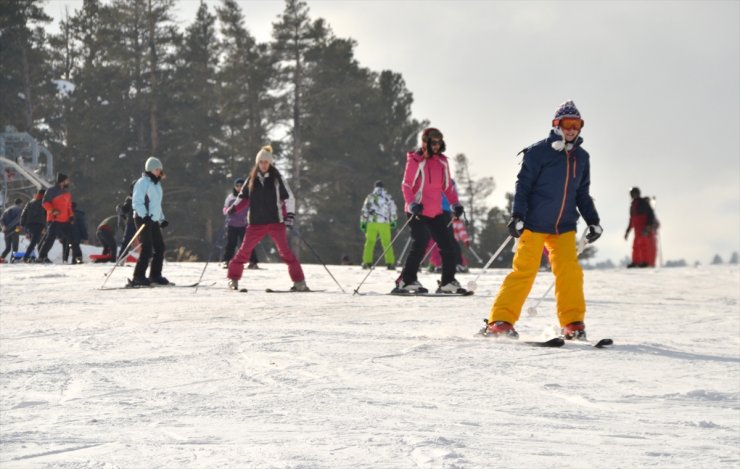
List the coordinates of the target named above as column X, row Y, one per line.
column 252, row 266
column 366, row 266
column 159, row 280
column 500, row 329
column 233, row 284
column 453, row 287
column 574, row 331
column 137, row 281
column 411, row 287
column 300, row 286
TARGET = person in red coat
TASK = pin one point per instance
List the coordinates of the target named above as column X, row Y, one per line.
column 642, row 220
column 58, row 204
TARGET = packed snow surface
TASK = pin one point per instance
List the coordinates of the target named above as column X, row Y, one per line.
column 178, row 378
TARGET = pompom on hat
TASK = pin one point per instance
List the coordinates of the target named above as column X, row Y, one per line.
column 152, row 163
column 567, row 110
column 265, row 154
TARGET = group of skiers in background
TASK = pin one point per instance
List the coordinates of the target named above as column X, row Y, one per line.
column 48, row 216
column 552, row 191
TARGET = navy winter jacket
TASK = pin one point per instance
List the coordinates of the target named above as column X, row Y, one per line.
column 552, row 187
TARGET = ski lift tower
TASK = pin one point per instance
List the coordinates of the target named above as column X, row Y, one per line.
column 26, row 166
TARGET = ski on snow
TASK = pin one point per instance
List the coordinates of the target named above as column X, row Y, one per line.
column 554, row 342
column 270, row 290
column 433, row 295
column 128, row 286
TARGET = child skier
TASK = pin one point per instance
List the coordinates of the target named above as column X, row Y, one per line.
column 271, row 212
column 236, row 226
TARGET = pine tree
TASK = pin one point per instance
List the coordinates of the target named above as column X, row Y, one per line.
column 294, row 36
column 245, row 104
column 191, row 145
column 473, row 193
column 26, row 87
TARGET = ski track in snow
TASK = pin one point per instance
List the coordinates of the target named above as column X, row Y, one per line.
column 171, row 377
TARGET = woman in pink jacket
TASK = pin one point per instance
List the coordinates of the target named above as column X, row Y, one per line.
column 425, row 179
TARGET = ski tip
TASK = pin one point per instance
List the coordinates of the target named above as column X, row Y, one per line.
column 604, row 343
column 554, row 342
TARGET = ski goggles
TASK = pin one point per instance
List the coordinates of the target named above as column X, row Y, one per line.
column 571, row 124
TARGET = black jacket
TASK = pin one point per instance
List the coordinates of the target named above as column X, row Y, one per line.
column 269, row 200
column 33, row 213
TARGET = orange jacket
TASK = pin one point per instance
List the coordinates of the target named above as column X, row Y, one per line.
column 58, row 205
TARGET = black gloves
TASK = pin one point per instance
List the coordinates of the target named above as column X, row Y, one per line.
column 459, row 210
column 594, row 233
column 289, row 220
column 148, row 221
column 515, row 226
column 415, row 208
column 164, row 224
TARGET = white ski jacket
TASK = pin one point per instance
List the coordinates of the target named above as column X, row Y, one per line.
column 379, row 207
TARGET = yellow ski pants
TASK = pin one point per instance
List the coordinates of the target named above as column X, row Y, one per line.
column 571, row 304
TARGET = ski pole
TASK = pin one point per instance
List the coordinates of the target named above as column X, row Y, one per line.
column 297, row 233
column 472, row 285
column 475, row 254
column 216, row 244
column 398, row 233
column 532, row 310
column 124, row 252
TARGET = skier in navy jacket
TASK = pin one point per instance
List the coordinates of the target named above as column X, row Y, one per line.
column 552, row 187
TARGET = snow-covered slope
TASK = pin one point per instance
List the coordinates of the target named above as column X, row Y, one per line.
column 171, row 377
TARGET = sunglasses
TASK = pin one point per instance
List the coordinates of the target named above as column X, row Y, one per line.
column 435, row 142
column 571, row 124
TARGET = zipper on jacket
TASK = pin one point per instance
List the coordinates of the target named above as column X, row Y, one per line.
column 565, row 190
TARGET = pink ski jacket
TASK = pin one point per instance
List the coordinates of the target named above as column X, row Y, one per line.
column 425, row 180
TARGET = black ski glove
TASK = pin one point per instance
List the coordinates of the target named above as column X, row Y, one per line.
column 289, row 221
column 415, row 208
column 164, row 224
column 515, row 226
column 594, row 233
column 459, row 210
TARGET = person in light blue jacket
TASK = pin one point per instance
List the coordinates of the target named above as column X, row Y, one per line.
column 147, row 206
